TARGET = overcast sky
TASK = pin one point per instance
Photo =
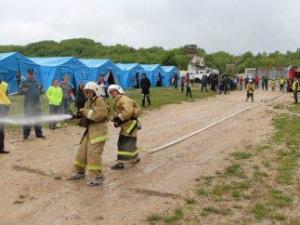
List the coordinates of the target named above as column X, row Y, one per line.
column 231, row 25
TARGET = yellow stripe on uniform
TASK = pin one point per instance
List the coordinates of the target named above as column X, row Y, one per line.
column 126, row 153
column 131, row 127
column 94, row 167
column 89, row 114
column 79, row 164
column 99, row 139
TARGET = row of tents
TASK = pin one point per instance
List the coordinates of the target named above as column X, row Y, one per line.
column 14, row 66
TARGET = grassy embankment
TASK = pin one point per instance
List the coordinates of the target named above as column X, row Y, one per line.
column 159, row 97
column 261, row 185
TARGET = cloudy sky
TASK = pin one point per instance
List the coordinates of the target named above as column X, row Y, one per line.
column 231, row 25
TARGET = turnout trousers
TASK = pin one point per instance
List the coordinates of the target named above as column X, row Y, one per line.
column 127, row 150
column 89, row 157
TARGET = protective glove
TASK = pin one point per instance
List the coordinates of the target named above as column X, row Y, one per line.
column 76, row 115
column 116, row 125
column 117, row 120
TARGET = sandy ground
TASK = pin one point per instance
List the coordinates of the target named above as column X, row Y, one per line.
column 31, row 192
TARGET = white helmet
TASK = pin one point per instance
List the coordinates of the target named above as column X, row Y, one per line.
column 91, row 86
column 115, row 87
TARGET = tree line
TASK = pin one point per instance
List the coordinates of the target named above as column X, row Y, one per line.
column 87, row 48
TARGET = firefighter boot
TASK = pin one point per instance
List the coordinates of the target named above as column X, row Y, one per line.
column 77, row 176
column 95, row 181
column 118, row 166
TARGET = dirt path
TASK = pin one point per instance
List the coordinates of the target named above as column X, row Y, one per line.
column 33, row 193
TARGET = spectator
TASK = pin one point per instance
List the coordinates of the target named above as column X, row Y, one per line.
column 241, row 81
column 175, row 80
column 80, row 98
column 54, row 95
column 102, row 87
column 145, row 86
column 4, row 108
column 68, row 96
column 32, row 92
column 182, row 84
column 256, row 82
column 204, row 82
column 188, row 84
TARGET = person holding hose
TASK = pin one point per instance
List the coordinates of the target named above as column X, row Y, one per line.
column 94, row 117
column 126, row 117
column 54, row 95
column 4, row 107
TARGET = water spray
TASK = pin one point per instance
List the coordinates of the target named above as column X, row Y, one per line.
column 34, row 119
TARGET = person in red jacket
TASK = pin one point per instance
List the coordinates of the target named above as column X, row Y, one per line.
column 241, row 81
column 256, row 82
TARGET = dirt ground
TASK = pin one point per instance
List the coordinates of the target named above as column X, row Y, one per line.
column 33, row 183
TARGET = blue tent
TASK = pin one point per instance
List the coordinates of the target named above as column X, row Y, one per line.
column 169, row 72
column 154, row 71
column 13, row 68
column 102, row 67
column 57, row 67
column 130, row 75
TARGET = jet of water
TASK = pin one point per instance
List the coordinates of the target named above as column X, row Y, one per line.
column 34, row 119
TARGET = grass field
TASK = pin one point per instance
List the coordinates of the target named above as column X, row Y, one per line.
column 159, row 97
column 261, row 185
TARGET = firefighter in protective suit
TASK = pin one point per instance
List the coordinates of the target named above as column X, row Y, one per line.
column 250, row 88
column 93, row 117
column 126, row 117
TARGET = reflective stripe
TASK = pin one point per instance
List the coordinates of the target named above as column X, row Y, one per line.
column 89, row 114
column 294, row 86
column 79, row 164
column 131, row 127
column 94, row 167
column 99, row 139
column 126, row 153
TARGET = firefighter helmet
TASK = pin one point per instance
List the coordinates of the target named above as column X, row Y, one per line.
column 115, row 87
column 91, row 86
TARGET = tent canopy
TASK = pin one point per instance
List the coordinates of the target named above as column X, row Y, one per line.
column 56, row 68
column 169, row 72
column 130, row 74
column 13, row 68
column 154, row 72
column 101, row 67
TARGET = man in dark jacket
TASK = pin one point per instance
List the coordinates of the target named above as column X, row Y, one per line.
column 226, row 85
column 32, row 91
column 204, row 82
column 80, row 98
column 175, row 77
column 145, row 86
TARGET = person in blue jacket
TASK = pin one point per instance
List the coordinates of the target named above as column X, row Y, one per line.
column 32, row 92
